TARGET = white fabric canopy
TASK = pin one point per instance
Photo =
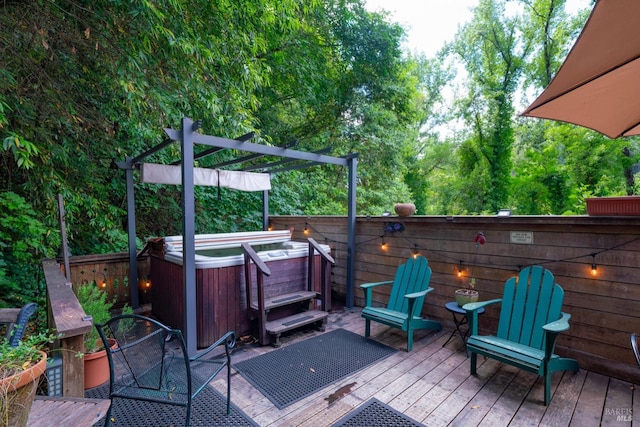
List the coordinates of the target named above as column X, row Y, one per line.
column 237, row 180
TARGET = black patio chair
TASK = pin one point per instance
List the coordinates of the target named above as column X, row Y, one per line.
column 149, row 362
column 16, row 320
column 634, row 346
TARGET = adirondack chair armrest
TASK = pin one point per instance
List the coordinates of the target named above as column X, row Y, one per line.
column 472, row 313
column 412, row 297
column 228, row 340
column 551, row 332
column 473, row 306
column 559, row 325
column 374, row 284
column 419, row 294
column 368, row 290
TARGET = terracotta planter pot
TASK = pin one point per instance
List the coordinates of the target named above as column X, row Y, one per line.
column 17, row 393
column 404, row 209
column 96, row 367
column 465, row 296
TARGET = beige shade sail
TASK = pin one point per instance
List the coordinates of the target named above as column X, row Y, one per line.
column 237, row 180
column 598, row 85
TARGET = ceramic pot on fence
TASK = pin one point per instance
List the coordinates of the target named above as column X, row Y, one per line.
column 17, row 393
column 404, row 209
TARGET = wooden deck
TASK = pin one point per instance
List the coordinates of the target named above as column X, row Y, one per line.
column 432, row 385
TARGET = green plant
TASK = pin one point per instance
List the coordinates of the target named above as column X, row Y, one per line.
column 20, row 368
column 95, row 304
column 16, row 359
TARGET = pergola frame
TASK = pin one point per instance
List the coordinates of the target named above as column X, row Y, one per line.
column 188, row 138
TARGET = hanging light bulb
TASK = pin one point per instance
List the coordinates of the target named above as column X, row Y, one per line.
column 383, row 245
column 594, row 266
column 460, row 269
column 416, row 252
column 306, row 228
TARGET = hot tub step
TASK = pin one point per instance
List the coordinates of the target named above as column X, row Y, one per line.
column 285, row 299
column 276, row 327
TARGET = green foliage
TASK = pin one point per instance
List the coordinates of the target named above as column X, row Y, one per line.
column 84, row 83
column 25, row 354
column 24, row 240
column 95, row 304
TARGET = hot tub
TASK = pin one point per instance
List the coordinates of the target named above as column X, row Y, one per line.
column 221, row 303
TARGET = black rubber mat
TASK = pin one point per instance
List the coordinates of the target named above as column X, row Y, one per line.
column 209, row 408
column 374, row 413
column 294, row 372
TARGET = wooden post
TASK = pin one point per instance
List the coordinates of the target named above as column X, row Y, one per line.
column 69, row 321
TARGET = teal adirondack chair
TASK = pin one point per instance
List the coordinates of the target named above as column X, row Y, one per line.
column 530, row 322
column 410, row 286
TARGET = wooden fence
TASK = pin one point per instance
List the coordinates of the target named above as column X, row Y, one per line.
column 110, row 272
column 605, row 306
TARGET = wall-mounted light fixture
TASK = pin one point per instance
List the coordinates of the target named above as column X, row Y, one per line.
column 503, row 213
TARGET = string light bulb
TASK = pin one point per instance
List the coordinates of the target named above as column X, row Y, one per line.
column 383, row 245
column 416, row 252
column 460, row 269
column 594, row 266
column 306, row 228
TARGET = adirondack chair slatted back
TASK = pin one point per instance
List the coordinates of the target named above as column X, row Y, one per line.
column 413, row 276
column 528, row 303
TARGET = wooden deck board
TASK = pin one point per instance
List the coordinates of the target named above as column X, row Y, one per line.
column 60, row 411
column 432, row 385
column 617, row 404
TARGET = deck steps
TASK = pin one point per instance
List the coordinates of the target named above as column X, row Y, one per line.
column 278, row 306
column 285, row 299
column 277, row 327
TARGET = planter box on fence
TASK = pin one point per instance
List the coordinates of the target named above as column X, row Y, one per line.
column 616, row 206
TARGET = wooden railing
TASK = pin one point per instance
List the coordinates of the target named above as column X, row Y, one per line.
column 66, row 317
column 325, row 272
column 262, row 270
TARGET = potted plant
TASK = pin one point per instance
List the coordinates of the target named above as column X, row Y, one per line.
column 20, row 370
column 95, row 304
column 470, row 294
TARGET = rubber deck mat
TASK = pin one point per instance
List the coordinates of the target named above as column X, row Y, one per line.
column 374, row 413
column 209, row 408
column 296, row 371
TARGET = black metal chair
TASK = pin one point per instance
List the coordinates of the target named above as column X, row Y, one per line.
column 634, row 346
column 149, row 362
column 16, row 321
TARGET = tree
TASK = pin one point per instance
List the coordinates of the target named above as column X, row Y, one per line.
column 491, row 50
